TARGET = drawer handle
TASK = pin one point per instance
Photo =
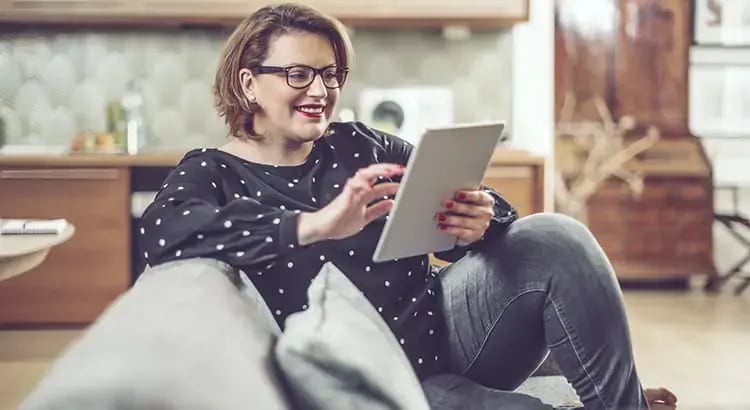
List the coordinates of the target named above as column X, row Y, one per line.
column 43, row 174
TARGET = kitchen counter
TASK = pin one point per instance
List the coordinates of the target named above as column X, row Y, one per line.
column 159, row 159
column 502, row 156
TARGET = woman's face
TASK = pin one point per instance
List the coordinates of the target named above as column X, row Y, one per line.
column 297, row 115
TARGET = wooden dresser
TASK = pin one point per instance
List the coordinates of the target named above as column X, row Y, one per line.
column 665, row 234
column 634, row 56
column 82, row 276
column 519, row 177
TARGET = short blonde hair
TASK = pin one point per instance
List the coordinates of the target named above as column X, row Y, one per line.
column 248, row 45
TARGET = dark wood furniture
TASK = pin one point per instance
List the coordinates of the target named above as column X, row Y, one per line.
column 634, row 54
column 664, row 235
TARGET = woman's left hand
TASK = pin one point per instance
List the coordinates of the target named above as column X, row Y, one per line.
column 467, row 215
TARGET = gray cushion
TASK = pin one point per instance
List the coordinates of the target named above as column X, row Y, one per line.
column 188, row 335
column 340, row 354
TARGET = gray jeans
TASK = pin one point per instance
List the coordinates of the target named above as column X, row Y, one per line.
column 544, row 287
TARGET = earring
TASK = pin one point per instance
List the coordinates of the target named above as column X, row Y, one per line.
column 252, row 99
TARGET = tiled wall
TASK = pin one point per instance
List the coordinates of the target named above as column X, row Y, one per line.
column 54, row 84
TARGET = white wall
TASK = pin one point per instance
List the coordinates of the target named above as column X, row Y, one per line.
column 731, row 165
column 719, row 108
column 534, row 86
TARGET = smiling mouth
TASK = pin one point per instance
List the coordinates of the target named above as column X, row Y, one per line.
column 311, row 110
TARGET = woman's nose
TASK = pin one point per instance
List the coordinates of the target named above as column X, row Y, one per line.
column 317, row 88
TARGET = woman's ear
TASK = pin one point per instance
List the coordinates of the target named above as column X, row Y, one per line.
column 247, row 81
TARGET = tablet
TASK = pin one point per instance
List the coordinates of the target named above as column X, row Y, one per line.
column 445, row 160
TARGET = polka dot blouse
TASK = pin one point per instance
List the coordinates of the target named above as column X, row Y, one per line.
column 217, row 205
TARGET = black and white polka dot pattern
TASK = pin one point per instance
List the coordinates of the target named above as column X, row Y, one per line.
column 217, row 205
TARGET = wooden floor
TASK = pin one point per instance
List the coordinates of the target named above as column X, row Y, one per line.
column 698, row 345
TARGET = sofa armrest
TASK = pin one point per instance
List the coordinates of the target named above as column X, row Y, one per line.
column 188, row 334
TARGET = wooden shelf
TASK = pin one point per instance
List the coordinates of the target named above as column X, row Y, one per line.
column 477, row 14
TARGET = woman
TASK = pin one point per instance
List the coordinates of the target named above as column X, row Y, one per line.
column 291, row 190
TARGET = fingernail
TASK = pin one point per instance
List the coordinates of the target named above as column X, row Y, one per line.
column 461, row 195
column 441, row 227
column 441, row 218
column 449, row 204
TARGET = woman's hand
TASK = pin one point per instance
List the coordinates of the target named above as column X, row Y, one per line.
column 467, row 215
column 350, row 211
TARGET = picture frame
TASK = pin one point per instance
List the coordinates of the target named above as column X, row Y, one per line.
column 721, row 22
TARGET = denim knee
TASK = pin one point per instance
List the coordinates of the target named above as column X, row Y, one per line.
column 549, row 239
column 550, row 229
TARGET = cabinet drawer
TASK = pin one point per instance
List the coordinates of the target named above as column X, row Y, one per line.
column 518, row 185
column 80, row 277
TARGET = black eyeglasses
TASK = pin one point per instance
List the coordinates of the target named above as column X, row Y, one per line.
column 301, row 76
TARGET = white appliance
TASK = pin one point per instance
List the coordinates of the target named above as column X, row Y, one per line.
column 406, row 111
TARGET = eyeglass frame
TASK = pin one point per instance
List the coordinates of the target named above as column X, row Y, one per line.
column 269, row 69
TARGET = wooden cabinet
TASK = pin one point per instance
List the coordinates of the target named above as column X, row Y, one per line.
column 82, row 276
column 519, row 178
column 651, row 66
column 633, row 54
column 664, row 234
column 385, row 13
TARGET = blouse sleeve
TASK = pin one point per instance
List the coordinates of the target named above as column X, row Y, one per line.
column 189, row 218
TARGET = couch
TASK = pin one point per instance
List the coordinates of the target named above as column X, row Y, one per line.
column 195, row 334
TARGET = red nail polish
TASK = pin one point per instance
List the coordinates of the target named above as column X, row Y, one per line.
column 441, row 218
column 461, row 195
column 441, row 227
column 449, row 204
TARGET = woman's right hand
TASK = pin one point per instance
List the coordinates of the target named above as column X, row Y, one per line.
column 351, row 211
